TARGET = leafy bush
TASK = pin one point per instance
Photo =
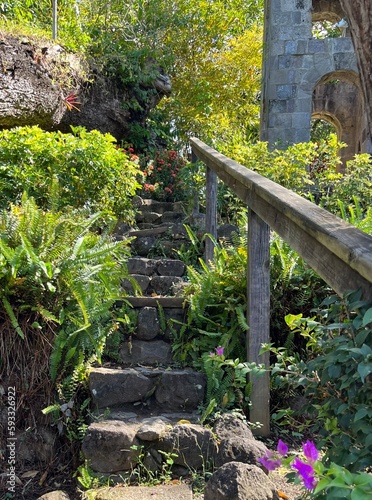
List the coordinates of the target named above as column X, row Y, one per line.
column 162, row 176
column 337, row 378
column 84, row 170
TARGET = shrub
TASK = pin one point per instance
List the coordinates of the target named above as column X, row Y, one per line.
column 80, row 170
column 337, row 378
column 162, row 176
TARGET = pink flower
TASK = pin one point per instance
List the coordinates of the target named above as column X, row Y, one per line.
column 268, row 462
column 306, row 472
column 310, row 452
column 282, row 448
column 219, row 350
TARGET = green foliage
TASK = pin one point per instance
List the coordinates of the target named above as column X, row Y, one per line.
column 294, row 288
column 355, row 184
column 84, row 170
column 338, row 482
column 337, row 378
column 141, row 474
column 227, row 386
column 216, row 312
column 58, row 272
column 295, row 167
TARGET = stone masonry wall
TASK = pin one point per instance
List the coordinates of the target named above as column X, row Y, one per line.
column 294, row 64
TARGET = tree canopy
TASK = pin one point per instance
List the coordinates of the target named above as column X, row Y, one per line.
column 209, row 48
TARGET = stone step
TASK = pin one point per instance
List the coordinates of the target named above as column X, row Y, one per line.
column 162, row 277
column 157, row 318
column 159, row 218
column 168, row 390
column 155, row 285
column 115, row 446
column 180, row 491
column 148, row 205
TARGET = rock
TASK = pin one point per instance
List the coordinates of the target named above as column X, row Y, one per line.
column 109, row 446
column 240, row 450
column 172, row 217
column 54, row 495
column 141, row 280
column 148, row 326
column 152, row 429
column 194, row 445
column 171, row 267
column 146, row 352
column 143, row 245
column 36, row 446
column 111, row 387
column 228, row 426
column 180, row 390
column 238, row 481
column 37, row 77
column 141, row 265
column 226, row 231
column 162, row 285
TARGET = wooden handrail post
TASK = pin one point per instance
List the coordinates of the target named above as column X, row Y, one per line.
column 258, row 317
column 211, row 214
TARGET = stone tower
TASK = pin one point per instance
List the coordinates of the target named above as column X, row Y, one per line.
column 306, row 77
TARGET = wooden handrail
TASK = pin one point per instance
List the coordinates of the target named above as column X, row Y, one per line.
column 340, row 253
column 337, row 251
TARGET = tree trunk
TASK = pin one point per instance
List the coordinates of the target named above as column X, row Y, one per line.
column 359, row 16
column 42, row 84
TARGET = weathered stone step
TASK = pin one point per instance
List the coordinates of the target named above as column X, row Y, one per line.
column 165, row 302
column 155, row 285
column 180, row 491
column 148, row 205
column 159, row 218
column 168, row 389
column 154, row 319
column 116, row 446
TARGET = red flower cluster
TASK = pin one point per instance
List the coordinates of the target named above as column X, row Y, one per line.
column 162, row 178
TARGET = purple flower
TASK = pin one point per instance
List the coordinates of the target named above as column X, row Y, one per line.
column 211, row 354
column 219, row 350
column 268, row 462
column 306, row 472
column 282, row 448
column 310, row 452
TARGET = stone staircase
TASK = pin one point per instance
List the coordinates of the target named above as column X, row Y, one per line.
column 142, row 396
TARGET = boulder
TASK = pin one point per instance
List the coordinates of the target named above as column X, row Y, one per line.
column 193, row 444
column 238, row 481
column 110, row 446
column 243, row 450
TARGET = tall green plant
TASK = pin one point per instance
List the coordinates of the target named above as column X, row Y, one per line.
column 56, row 270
